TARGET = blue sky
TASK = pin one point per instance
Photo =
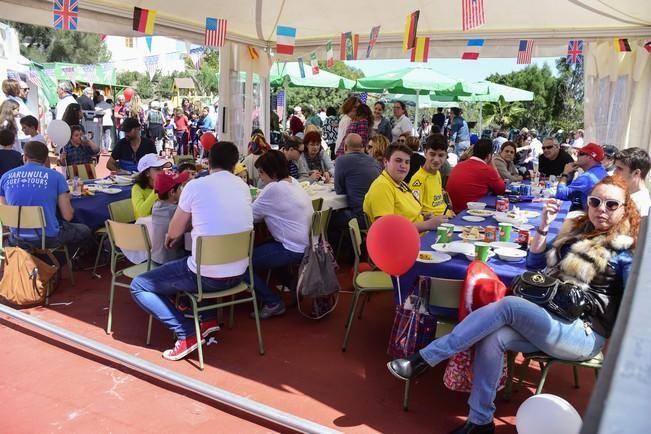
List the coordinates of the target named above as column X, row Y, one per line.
column 465, row 69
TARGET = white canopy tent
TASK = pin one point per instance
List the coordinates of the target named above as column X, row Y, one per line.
column 252, row 22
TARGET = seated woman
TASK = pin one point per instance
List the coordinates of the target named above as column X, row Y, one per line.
column 79, row 150
column 316, row 159
column 257, row 146
column 143, row 195
column 376, row 148
column 608, row 231
column 504, row 162
column 287, row 211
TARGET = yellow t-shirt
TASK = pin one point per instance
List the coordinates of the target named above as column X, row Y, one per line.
column 429, row 189
column 385, row 197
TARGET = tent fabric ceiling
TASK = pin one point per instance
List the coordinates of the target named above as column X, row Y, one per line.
column 550, row 22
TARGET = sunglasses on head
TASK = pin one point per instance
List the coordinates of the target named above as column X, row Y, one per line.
column 611, row 204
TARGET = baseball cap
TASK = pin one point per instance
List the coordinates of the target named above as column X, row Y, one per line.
column 593, row 150
column 152, row 160
column 167, row 181
column 129, row 123
column 474, row 138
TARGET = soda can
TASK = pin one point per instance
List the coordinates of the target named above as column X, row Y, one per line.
column 548, row 184
column 499, row 204
column 506, row 204
column 490, row 234
column 523, row 238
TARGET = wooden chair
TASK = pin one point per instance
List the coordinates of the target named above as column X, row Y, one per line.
column 127, row 236
column 32, row 217
column 444, row 295
column 83, row 171
column 120, row 211
column 217, row 250
column 363, row 282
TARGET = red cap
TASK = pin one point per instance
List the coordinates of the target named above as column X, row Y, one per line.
column 593, row 150
column 167, row 181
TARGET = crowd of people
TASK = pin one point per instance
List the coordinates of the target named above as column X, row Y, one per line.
column 383, row 169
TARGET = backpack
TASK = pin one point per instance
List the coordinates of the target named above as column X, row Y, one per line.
column 27, row 279
column 154, row 117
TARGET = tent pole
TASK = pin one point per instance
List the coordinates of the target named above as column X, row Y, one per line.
column 283, row 124
column 416, row 112
column 481, row 119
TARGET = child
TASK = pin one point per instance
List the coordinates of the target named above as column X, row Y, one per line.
column 240, row 170
column 168, row 188
column 182, row 131
column 9, row 158
column 30, row 127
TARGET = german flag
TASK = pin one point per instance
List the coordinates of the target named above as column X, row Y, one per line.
column 420, row 52
column 411, row 26
column 143, row 20
column 622, row 45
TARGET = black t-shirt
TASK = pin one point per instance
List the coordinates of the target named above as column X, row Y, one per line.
column 554, row 167
column 416, row 162
column 9, row 159
column 123, row 151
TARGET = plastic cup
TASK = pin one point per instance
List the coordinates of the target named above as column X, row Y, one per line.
column 505, row 231
column 450, row 227
column 443, row 234
column 482, row 250
column 254, row 192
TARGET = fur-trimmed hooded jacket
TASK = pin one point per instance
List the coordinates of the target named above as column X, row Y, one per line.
column 599, row 266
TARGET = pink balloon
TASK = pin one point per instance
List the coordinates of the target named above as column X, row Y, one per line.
column 129, row 93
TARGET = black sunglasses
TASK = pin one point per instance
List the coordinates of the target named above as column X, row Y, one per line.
column 611, row 204
column 547, row 147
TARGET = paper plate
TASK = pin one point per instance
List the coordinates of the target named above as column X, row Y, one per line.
column 458, row 228
column 436, row 257
column 110, row 190
column 480, row 237
column 472, row 218
column 471, row 255
column 460, row 248
column 504, row 244
column 511, row 255
column 481, row 212
column 530, row 214
column 105, row 181
column 440, row 247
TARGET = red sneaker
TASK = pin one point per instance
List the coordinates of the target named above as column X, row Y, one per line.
column 182, row 348
column 209, row 327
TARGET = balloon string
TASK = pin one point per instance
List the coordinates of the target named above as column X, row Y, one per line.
column 399, row 290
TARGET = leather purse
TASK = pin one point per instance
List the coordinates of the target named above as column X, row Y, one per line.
column 564, row 299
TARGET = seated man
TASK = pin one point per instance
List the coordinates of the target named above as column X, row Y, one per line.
column 130, row 149
column 293, row 149
column 389, row 194
column 36, row 185
column 589, row 160
column 217, row 204
column 553, row 159
column 633, row 164
column 427, row 180
column 474, row 178
column 168, row 187
column 79, row 149
column 9, row 157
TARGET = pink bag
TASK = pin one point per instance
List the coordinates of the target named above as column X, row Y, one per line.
column 458, row 373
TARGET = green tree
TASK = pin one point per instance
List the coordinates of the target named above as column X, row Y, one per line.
column 45, row 44
column 206, row 77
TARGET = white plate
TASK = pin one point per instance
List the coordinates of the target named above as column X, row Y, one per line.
column 92, row 187
column 481, row 212
column 440, row 247
column 460, row 248
column 471, row 255
column 437, row 257
column 472, row 218
column 504, row 244
column 525, row 227
column 469, row 238
column 502, row 217
column 458, row 228
column 530, row 214
column 104, row 181
column 110, row 190
column 511, row 255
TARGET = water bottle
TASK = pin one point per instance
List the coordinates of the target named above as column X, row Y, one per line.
column 76, row 187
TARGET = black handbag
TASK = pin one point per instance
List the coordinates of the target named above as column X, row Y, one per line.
column 564, row 299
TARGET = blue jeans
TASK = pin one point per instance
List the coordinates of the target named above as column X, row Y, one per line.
column 151, row 291
column 267, row 257
column 514, row 324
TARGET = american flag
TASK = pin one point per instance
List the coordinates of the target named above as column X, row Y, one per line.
column 472, row 14
column 575, row 51
column 363, row 97
column 65, row 14
column 280, row 102
column 525, row 51
column 34, row 78
column 215, row 32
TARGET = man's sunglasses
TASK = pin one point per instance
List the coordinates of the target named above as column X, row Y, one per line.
column 547, row 147
column 611, row 204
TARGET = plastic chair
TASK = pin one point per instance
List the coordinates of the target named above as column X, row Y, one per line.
column 363, row 282
column 83, row 171
column 32, row 217
column 317, row 204
column 127, row 236
column 545, row 362
column 120, row 211
column 443, row 294
column 217, row 250
column 179, row 159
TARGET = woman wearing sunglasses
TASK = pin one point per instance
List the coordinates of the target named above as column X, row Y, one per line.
column 594, row 251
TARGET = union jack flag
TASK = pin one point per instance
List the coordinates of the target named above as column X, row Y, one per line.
column 66, row 14
column 575, row 52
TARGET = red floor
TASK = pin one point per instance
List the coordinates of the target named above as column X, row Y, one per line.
column 47, row 385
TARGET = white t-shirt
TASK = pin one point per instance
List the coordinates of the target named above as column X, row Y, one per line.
column 287, row 211
column 643, row 201
column 63, row 104
column 344, row 123
column 403, row 125
column 220, row 204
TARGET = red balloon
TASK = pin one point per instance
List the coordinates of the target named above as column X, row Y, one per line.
column 208, row 140
column 393, row 244
column 129, row 93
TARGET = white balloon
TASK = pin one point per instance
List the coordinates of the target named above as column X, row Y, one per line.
column 547, row 414
column 59, row 132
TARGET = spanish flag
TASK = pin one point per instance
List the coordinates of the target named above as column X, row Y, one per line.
column 411, row 25
column 622, row 45
column 143, row 20
column 253, row 53
column 420, row 52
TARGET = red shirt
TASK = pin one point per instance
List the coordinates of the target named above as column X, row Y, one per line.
column 471, row 180
column 181, row 123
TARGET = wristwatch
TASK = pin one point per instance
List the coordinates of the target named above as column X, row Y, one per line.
column 541, row 232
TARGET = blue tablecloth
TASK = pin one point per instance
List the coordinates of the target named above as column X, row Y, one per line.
column 457, row 266
column 93, row 210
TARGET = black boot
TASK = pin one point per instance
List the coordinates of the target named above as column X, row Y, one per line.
column 471, row 428
column 408, row 368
